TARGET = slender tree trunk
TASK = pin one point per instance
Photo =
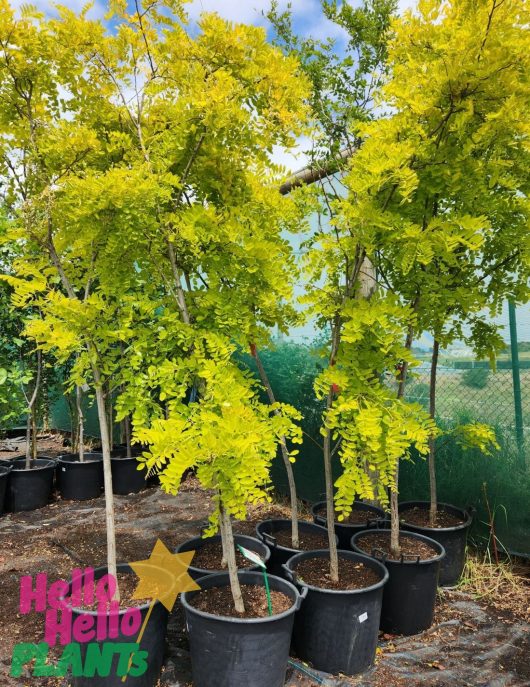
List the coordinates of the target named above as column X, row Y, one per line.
column 80, row 424
column 31, row 426
column 127, row 427
column 328, row 474
column 110, row 414
column 285, row 453
column 432, row 442
column 229, row 550
column 395, row 548
column 107, row 476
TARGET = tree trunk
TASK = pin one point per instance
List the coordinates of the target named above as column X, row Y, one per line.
column 229, row 550
column 127, row 427
column 107, row 475
column 432, row 442
column 330, row 502
column 395, row 548
column 285, row 453
column 80, row 424
column 31, row 426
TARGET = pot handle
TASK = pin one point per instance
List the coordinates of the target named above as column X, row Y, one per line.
column 299, row 600
column 288, row 573
column 269, row 539
column 319, row 520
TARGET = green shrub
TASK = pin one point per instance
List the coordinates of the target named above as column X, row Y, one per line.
column 476, row 377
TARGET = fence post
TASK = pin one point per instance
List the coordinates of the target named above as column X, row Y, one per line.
column 516, row 375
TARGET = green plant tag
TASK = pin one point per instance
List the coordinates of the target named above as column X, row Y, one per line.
column 252, row 556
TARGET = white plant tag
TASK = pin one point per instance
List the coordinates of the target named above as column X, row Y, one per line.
column 363, row 617
column 251, row 556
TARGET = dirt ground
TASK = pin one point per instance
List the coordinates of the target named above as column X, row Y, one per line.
column 472, row 642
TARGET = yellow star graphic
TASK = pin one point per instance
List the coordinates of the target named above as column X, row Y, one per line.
column 164, row 575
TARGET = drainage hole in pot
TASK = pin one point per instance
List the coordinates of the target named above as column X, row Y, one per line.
column 410, row 546
column 352, row 574
column 210, row 557
column 218, row 601
column 308, row 541
column 420, row 517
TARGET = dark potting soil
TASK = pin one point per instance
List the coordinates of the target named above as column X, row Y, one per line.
column 308, row 541
column 127, row 583
column 219, row 601
column 420, row 517
column 411, row 547
column 210, row 557
column 352, row 575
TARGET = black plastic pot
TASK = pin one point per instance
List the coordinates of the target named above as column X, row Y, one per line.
column 29, row 489
column 240, row 652
column 78, row 481
column 281, row 554
column 4, row 476
column 153, row 642
column 345, row 530
column 337, row 630
column 247, row 542
column 410, row 593
column 126, row 478
column 453, row 539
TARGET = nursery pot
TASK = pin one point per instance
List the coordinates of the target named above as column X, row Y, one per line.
column 346, row 530
column 410, row 593
column 4, row 475
column 337, row 630
column 78, row 481
column 126, row 478
column 247, row 542
column 153, row 642
column 240, row 652
column 281, row 554
column 453, row 538
column 29, row 489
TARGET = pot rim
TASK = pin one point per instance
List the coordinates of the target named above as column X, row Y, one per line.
column 428, row 561
column 67, row 458
column 289, row 525
column 231, row 619
column 5, row 470
column 217, row 537
column 120, row 567
column 316, row 508
column 323, row 590
column 423, row 528
column 50, row 463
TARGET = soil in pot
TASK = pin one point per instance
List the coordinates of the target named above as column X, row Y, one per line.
column 79, row 481
column 153, row 639
column 361, row 517
column 378, row 543
column 450, row 530
column 234, row 651
column 410, row 594
column 29, row 489
column 219, row 601
column 337, row 626
column 208, row 556
column 277, row 535
column 352, row 574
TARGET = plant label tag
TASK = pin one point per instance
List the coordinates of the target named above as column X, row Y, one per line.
column 251, row 556
column 64, row 469
column 363, row 617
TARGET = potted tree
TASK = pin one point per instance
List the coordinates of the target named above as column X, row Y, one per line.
column 425, row 225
